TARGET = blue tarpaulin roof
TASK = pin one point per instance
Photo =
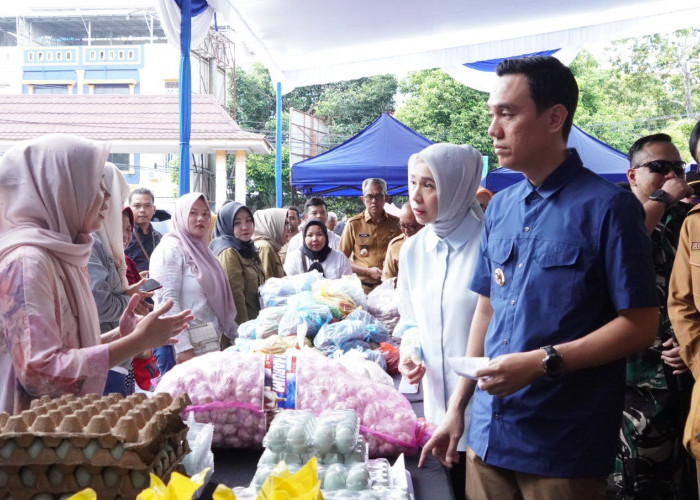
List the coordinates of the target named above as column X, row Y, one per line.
column 380, row 150
column 596, row 156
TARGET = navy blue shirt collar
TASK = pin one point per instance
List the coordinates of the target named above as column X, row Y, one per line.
column 554, row 181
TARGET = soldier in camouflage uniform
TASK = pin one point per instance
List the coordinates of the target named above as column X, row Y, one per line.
column 651, row 461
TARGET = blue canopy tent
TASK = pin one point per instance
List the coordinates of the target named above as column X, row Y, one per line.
column 380, row 150
column 596, row 155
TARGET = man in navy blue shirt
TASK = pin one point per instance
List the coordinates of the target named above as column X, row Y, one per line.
column 566, row 292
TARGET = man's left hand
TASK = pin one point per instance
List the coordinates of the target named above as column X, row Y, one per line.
column 509, row 373
column 671, row 356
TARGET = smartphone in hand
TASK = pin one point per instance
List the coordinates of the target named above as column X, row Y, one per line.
column 150, row 285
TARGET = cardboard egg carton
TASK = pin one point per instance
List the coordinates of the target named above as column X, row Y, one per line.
column 109, row 443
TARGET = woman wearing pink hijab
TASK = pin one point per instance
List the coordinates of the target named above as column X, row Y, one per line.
column 51, row 199
column 192, row 278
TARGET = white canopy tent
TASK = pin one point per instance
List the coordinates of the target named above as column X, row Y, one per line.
column 319, row 41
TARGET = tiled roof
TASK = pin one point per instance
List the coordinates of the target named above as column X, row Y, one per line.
column 135, row 120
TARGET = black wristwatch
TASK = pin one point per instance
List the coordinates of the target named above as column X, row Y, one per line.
column 662, row 196
column 553, row 363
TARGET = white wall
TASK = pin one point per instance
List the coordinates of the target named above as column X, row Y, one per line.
column 11, row 70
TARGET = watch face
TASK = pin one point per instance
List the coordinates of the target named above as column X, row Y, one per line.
column 553, row 364
column 659, row 195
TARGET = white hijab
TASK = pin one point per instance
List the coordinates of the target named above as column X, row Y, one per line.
column 111, row 229
column 457, row 172
column 47, row 186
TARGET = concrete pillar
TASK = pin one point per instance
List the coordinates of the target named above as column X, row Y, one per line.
column 80, row 80
column 240, row 177
column 221, row 179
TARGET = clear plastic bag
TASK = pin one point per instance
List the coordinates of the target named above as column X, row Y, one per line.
column 367, row 364
column 383, row 304
column 304, row 309
column 344, row 293
column 340, row 335
column 265, row 325
column 199, row 438
column 374, row 329
column 276, row 291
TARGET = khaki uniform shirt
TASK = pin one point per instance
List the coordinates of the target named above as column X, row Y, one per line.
column 271, row 263
column 245, row 277
column 365, row 242
column 684, row 292
column 391, row 261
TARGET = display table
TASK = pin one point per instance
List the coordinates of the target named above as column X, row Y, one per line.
column 236, row 467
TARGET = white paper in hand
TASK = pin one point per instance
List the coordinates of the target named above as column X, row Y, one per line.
column 407, row 388
column 467, row 366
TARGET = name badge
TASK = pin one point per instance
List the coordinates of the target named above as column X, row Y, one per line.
column 363, row 235
column 695, row 245
column 499, row 277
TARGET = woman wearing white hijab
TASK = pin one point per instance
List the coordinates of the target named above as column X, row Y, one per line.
column 192, row 278
column 435, row 304
column 51, row 199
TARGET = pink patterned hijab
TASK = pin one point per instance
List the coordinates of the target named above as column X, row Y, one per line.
column 209, row 273
column 47, row 186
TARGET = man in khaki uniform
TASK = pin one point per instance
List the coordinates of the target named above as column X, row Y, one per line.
column 367, row 235
column 409, row 226
column 684, row 294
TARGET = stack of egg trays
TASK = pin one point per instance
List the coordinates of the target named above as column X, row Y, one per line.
column 110, row 444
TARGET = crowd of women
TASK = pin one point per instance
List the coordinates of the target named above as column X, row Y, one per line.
column 76, row 319
column 75, row 316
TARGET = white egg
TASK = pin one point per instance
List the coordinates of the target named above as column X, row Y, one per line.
column 334, row 478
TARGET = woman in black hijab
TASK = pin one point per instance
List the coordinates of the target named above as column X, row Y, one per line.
column 232, row 244
column 315, row 254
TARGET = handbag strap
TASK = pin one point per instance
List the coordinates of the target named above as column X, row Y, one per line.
column 138, row 240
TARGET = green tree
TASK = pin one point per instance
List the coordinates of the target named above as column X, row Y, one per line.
column 673, row 57
column 444, row 110
column 348, row 107
column 628, row 98
column 260, row 181
column 254, row 97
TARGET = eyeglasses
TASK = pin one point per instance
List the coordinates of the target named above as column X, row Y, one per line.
column 373, row 197
column 663, row 167
column 409, row 227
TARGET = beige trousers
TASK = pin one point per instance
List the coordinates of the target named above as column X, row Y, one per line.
column 487, row 482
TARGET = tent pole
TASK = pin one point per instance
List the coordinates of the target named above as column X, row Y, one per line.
column 185, row 95
column 278, row 149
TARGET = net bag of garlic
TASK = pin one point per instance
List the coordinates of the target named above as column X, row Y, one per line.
column 234, row 391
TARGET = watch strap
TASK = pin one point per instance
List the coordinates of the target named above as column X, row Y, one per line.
column 662, row 196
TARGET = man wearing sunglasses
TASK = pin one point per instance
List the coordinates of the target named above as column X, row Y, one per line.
column 409, row 226
column 367, row 235
column 651, row 460
column 657, row 176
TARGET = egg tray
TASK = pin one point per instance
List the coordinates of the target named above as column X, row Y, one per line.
column 109, row 443
column 104, row 431
column 60, row 481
